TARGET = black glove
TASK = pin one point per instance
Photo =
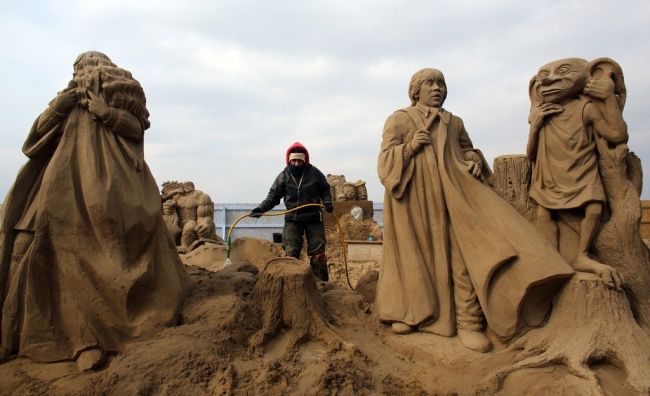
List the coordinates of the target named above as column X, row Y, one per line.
column 256, row 213
column 328, row 207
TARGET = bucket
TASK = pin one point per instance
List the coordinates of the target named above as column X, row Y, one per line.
column 277, row 237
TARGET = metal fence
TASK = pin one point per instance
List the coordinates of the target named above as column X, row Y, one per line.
column 264, row 227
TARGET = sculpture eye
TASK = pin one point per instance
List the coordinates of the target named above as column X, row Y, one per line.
column 564, row 69
column 542, row 74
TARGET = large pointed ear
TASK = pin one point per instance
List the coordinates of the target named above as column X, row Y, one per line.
column 608, row 68
column 533, row 92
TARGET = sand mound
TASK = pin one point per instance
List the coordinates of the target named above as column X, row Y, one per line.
column 211, row 352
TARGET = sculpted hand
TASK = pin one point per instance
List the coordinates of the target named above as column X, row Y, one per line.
column 473, row 163
column 202, row 230
column 420, row 138
column 474, row 168
column 600, row 89
column 537, row 114
column 98, row 106
column 65, row 100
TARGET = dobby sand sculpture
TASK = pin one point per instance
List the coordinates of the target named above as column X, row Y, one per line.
column 587, row 185
column 86, row 261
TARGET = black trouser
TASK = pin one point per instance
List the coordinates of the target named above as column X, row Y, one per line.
column 314, row 231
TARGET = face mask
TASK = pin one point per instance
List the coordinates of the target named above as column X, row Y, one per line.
column 296, row 170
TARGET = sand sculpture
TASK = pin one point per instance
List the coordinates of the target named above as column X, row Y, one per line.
column 188, row 213
column 265, row 326
column 342, row 190
column 569, row 112
column 586, row 185
column 361, row 190
column 335, row 182
column 349, row 192
column 86, row 262
column 444, row 225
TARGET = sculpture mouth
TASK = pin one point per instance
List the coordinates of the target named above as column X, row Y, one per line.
column 551, row 91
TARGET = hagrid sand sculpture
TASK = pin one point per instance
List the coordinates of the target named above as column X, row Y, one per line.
column 86, row 262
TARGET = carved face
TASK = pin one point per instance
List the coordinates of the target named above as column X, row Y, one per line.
column 561, row 80
column 433, row 91
column 350, row 192
column 188, row 187
column 362, row 192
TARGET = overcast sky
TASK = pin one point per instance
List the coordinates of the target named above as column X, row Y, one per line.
column 231, row 84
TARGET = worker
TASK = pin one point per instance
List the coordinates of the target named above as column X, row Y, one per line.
column 301, row 183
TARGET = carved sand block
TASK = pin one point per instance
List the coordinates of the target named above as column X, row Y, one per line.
column 511, row 182
column 289, row 298
column 590, row 323
column 619, row 242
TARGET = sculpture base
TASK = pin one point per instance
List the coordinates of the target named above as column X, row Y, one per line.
column 590, row 324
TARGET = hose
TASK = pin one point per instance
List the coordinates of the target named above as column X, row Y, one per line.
column 283, row 212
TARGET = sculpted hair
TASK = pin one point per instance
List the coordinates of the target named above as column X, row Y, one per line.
column 94, row 71
column 420, row 77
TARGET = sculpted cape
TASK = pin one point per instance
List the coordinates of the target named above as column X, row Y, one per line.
column 435, row 212
column 101, row 267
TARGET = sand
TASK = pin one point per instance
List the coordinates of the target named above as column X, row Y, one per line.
column 209, row 353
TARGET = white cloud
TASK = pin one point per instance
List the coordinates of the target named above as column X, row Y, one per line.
column 231, row 84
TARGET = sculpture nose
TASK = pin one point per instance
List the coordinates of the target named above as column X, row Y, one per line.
column 551, row 78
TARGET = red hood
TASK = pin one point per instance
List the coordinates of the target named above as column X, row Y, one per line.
column 297, row 147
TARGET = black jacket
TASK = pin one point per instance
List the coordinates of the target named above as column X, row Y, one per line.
column 311, row 187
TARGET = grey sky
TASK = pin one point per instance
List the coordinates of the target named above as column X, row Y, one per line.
column 230, row 85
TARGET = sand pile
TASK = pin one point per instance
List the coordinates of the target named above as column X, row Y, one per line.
column 355, row 230
column 214, row 351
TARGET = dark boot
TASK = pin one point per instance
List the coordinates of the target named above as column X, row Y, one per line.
column 318, row 263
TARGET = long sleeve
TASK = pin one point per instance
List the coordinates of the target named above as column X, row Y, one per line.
column 394, row 167
column 125, row 124
column 326, row 194
column 276, row 192
column 47, row 127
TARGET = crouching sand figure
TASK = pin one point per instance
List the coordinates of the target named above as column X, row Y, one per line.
column 454, row 252
column 86, row 261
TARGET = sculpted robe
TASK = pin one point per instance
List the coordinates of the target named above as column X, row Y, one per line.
column 101, row 267
column 436, row 212
column 565, row 167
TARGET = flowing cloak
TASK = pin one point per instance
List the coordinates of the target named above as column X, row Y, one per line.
column 101, row 267
column 565, row 167
column 432, row 199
